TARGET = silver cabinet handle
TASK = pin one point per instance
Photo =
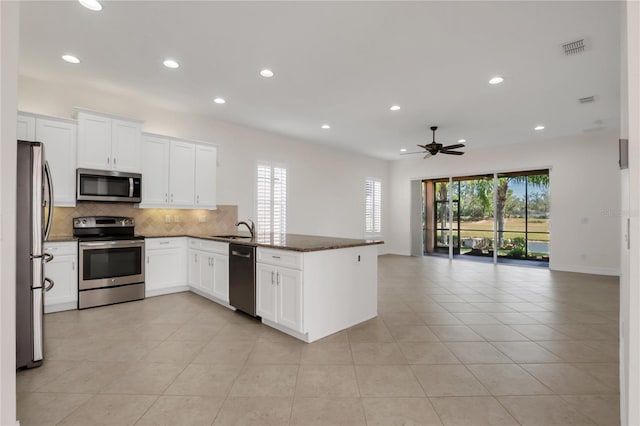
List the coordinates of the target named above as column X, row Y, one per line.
column 166, row 197
column 108, row 160
column 51, row 284
column 147, row 260
column 73, row 266
column 165, row 242
column 272, row 280
column 195, row 257
column 276, row 257
column 114, row 161
column 197, row 199
column 278, row 278
column 172, row 198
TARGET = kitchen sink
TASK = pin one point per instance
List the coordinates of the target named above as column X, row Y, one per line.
column 233, row 237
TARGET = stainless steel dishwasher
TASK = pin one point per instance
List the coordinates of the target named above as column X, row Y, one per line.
column 242, row 278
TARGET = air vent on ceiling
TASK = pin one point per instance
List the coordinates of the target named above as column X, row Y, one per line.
column 573, row 47
column 587, row 99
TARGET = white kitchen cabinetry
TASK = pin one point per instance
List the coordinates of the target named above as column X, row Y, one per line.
column 208, row 269
column 279, row 289
column 178, row 174
column 165, row 266
column 63, row 270
column 108, row 143
column 59, row 138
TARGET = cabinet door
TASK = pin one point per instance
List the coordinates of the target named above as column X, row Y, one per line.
column 182, row 174
column 194, row 268
column 59, row 138
column 164, row 269
column 220, row 276
column 155, row 171
column 125, row 145
column 289, row 299
column 206, row 273
column 26, row 130
column 62, row 270
column 94, row 141
column 206, row 158
column 266, row 291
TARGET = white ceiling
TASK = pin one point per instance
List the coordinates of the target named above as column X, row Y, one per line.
column 346, row 63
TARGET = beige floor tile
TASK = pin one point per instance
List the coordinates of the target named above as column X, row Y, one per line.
column 256, row 411
column 603, row 410
column 572, row 351
column 86, row 377
column 197, row 330
column 477, row 353
column 110, row 410
column 566, row 379
column 29, row 380
column 244, row 331
column 205, row 380
column 477, row 318
column 327, row 380
column 387, row 381
column 427, row 353
column 399, row 412
column 371, row 331
column 472, row 411
column 327, row 412
column 448, row 380
column 74, row 349
column 439, row 318
column 498, row 333
column 526, row 352
column 175, row 352
column 508, row 379
column 460, row 307
column 539, row 332
column 145, row 379
column 266, row 380
column 607, row 374
column 319, row 353
column 339, row 337
column 47, row 408
column 392, row 319
column 270, row 352
column 543, row 410
column 412, row 333
column 124, row 350
column 377, row 353
column 512, row 318
column 455, row 333
column 225, row 352
column 182, row 410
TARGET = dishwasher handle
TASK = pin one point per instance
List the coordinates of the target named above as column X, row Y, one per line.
column 237, row 253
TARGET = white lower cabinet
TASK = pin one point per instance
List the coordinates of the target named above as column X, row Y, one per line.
column 63, row 271
column 279, row 292
column 209, row 269
column 165, row 265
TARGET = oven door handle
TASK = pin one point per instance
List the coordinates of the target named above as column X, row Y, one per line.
column 112, row 243
column 130, row 187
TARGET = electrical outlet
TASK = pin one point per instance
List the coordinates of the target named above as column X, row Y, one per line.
column 176, row 218
column 167, row 219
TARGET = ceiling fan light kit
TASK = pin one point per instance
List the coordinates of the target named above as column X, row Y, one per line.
column 434, row 147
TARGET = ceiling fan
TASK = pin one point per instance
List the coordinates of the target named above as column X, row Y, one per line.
column 433, row 148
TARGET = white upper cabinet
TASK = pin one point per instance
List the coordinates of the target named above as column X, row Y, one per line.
column 26, row 129
column 59, row 138
column 155, row 171
column 106, row 143
column 206, row 159
column 182, row 174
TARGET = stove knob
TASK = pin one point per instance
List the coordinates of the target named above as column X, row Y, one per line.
column 84, row 221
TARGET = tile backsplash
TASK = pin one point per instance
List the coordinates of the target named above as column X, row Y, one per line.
column 151, row 222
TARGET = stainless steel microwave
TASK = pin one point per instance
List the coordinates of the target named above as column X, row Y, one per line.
column 107, row 185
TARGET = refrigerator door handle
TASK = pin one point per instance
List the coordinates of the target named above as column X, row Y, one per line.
column 51, row 284
column 47, row 257
column 47, row 172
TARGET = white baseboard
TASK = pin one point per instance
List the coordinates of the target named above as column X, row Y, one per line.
column 615, row 272
column 168, row 290
column 213, row 299
column 59, row 307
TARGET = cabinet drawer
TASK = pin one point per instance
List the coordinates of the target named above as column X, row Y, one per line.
column 210, row 246
column 163, row 243
column 62, row 248
column 285, row 258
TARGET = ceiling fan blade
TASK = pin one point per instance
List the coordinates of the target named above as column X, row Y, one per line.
column 456, row 146
column 427, row 156
column 409, row 153
column 452, row 152
column 423, row 146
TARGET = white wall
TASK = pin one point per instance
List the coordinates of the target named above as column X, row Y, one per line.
column 325, row 185
column 8, row 77
column 584, row 191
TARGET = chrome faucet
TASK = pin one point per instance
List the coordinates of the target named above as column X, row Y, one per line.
column 251, row 228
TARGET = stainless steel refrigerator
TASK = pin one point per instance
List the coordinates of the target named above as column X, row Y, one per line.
column 34, row 217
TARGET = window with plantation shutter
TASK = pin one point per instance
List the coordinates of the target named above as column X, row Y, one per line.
column 372, row 206
column 271, row 199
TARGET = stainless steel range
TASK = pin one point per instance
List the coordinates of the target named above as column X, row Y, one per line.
column 110, row 259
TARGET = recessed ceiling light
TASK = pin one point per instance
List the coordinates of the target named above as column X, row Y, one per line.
column 326, row 126
column 496, row 80
column 403, row 149
column 266, row 73
column 219, row 101
column 91, row 5
column 395, row 107
column 539, row 127
column 170, row 63
column 462, row 140
column 71, row 59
